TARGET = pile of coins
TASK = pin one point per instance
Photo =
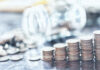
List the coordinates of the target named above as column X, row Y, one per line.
column 73, row 50
column 87, row 48
column 97, row 44
column 60, row 51
column 47, row 54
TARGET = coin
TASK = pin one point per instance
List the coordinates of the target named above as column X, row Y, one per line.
column 3, row 53
column 58, row 58
column 4, row 58
column 12, row 51
column 16, row 57
column 73, row 53
column 73, row 43
column 21, row 50
column 34, row 58
column 73, row 57
column 86, row 57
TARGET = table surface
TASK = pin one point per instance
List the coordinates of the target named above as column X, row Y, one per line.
column 26, row 64
column 50, row 65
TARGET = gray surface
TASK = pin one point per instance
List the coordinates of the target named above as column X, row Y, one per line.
column 9, row 21
column 41, row 65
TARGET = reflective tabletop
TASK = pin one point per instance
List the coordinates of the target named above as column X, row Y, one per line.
column 49, row 65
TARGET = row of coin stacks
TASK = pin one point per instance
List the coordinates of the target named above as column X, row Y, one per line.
column 75, row 49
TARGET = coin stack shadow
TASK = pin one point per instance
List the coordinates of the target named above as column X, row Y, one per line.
column 73, row 50
column 97, row 65
column 48, row 65
column 86, row 48
column 74, row 65
column 97, row 44
column 88, row 65
column 61, row 65
column 60, row 51
column 47, row 53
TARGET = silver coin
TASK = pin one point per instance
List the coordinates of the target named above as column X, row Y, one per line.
column 16, row 57
column 23, row 49
column 12, row 50
column 3, row 52
column 34, row 58
column 4, row 58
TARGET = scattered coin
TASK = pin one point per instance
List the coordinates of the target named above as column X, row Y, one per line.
column 12, row 51
column 4, row 58
column 16, row 57
column 34, row 58
column 3, row 53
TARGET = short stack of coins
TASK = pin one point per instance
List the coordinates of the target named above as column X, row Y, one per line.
column 47, row 53
column 73, row 50
column 60, row 51
column 87, row 48
column 97, row 44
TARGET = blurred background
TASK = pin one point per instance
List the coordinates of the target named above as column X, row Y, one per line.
column 48, row 21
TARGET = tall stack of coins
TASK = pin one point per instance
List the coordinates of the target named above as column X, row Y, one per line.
column 97, row 44
column 87, row 48
column 47, row 53
column 73, row 49
column 60, row 51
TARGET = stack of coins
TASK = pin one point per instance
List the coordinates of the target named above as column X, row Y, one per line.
column 47, row 53
column 73, row 49
column 60, row 51
column 97, row 44
column 87, row 48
